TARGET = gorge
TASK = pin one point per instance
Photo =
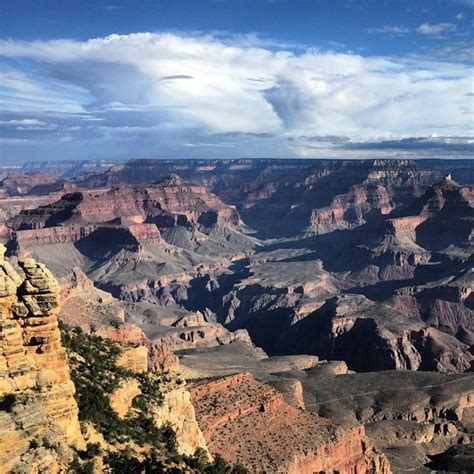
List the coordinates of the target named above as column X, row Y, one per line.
column 278, row 289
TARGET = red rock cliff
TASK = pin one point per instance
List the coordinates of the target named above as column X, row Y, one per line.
column 248, row 421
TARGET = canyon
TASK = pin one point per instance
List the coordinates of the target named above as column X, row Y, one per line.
column 280, row 289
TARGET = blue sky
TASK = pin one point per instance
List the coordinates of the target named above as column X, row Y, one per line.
column 242, row 78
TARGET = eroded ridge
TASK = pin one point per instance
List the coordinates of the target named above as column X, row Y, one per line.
column 248, row 421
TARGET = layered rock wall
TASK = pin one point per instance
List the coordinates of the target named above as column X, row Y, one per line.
column 51, row 235
column 248, row 421
column 36, row 392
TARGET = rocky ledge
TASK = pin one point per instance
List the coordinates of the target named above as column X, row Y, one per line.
column 248, row 421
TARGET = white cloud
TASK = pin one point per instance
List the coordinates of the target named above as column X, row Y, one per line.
column 391, row 29
column 437, row 29
column 23, row 122
column 218, row 86
column 15, row 141
column 21, row 91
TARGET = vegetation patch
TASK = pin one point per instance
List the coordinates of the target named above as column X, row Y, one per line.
column 7, row 402
column 134, row 443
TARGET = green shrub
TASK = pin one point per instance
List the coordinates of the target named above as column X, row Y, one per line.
column 76, row 467
column 34, row 444
column 123, row 462
column 199, row 461
column 92, row 450
column 7, row 402
column 239, row 468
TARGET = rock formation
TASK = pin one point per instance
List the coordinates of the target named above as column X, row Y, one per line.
column 137, row 212
column 248, row 421
column 441, row 218
column 178, row 411
column 19, row 184
column 408, row 415
column 373, row 336
column 36, row 392
column 366, row 263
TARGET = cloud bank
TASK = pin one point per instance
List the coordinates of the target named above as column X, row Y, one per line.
column 202, row 95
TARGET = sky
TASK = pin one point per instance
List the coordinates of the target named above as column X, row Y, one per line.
column 122, row 79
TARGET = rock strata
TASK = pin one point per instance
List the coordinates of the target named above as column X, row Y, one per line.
column 135, row 212
column 244, row 420
column 36, row 392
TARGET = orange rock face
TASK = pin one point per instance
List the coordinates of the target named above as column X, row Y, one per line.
column 35, row 386
column 141, row 211
column 248, row 421
column 134, row 359
column 404, row 224
column 160, row 356
column 51, row 235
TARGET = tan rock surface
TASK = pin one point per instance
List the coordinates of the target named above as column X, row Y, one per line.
column 35, row 386
column 178, row 411
column 134, row 359
column 121, row 398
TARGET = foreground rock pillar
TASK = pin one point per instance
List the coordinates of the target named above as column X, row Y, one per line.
column 38, row 412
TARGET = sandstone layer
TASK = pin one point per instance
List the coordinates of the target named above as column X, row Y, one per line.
column 36, row 392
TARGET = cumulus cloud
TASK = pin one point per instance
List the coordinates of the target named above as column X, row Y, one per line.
column 184, row 87
column 437, row 29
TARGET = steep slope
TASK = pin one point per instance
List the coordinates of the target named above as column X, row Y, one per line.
column 372, row 336
column 244, row 419
column 126, row 217
column 417, row 309
column 144, row 246
column 131, row 415
column 408, row 415
column 171, row 249
column 441, row 220
column 336, row 196
column 165, row 203
column 97, row 409
column 286, row 197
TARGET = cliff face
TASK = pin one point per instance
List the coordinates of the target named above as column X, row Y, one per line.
column 440, row 218
column 328, row 196
column 17, row 184
column 250, row 422
column 176, row 408
column 137, row 212
column 178, row 411
column 36, row 392
column 39, row 416
column 373, row 336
